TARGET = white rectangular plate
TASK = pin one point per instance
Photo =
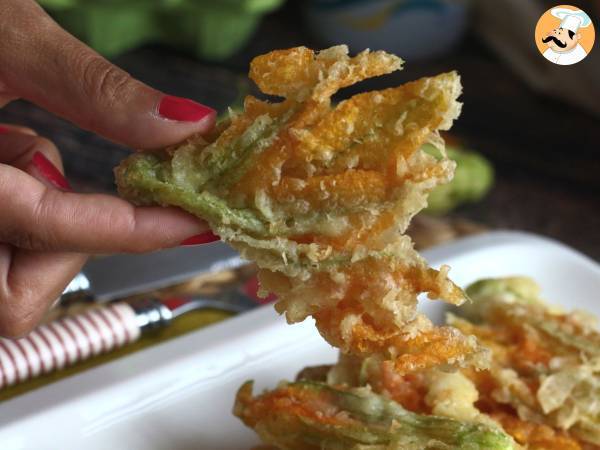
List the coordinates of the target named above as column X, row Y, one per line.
column 178, row 395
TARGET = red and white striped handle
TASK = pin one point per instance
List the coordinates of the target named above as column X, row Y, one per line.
column 67, row 341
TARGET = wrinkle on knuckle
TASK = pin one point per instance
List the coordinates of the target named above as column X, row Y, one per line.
column 26, row 239
column 103, row 81
column 40, row 235
column 131, row 236
column 17, row 236
column 18, row 312
column 123, row 225
column 25, row 236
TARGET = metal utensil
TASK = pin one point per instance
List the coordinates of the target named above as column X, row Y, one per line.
column 117, row 276
column 75, row 338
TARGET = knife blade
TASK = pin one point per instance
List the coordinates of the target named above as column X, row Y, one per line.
column 111, row 277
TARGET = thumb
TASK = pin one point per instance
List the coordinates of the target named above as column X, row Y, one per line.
column 47, row 66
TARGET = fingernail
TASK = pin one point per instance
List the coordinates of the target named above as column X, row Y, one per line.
column 183, row 109
column 4, row 130
column 50, row 172
column 203, row 238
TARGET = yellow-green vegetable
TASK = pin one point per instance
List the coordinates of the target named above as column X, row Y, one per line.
column 472, row 180
column 307, row 415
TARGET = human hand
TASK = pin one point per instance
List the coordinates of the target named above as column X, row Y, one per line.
column 46, row 230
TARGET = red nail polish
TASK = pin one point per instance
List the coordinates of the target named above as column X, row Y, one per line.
column 203, row 238
column 4, row 130
column 183, row 109
column 50, row 172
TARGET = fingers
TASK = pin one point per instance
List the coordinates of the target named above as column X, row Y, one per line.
column 6, row 99
column 18, row 145
column 6, row 128
column 30, row 282
column 45, row 218
column 44, row 64
column 50, row 219
column 5, row 96
column 44, row 221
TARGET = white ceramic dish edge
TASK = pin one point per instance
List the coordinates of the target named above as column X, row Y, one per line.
column 178, row 395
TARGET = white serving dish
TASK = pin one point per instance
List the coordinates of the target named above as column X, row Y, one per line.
column 178, row 395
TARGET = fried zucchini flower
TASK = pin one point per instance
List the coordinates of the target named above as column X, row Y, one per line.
column 542, row 386
column 309, row 415
column 320, row 195
column 546, row 363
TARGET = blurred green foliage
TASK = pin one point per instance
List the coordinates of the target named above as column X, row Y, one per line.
column 207, row 29
column 473, row 178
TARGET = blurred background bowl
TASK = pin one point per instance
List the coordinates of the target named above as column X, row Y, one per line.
column 413, row 29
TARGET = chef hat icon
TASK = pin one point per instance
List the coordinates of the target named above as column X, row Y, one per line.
column 572, row 19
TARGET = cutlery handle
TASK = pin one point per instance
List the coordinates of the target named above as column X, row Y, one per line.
column 67, row 341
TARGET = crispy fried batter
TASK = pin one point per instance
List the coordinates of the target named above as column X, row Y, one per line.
column 535, row 436
column 542, row 384
column 320, row 197
column 299, row 74
column 308, row 415
column 546, row 363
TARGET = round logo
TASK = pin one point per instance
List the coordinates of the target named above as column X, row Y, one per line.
column 565, row 35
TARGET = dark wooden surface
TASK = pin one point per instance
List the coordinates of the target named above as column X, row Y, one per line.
column 546, row 154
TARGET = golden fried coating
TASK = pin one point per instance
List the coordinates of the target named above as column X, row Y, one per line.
column 309, row 415
column 542, row 384
column 535, row 436
column 320, row 196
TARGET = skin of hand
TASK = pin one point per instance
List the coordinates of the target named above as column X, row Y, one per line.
column 47, row 230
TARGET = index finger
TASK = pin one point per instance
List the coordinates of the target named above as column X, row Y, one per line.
column 41, row 62
column 49, row 219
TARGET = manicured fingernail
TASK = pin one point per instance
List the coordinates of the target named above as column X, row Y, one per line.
column 203, row 238
column 183, row 109
column 4, row 130
column 47, row 170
